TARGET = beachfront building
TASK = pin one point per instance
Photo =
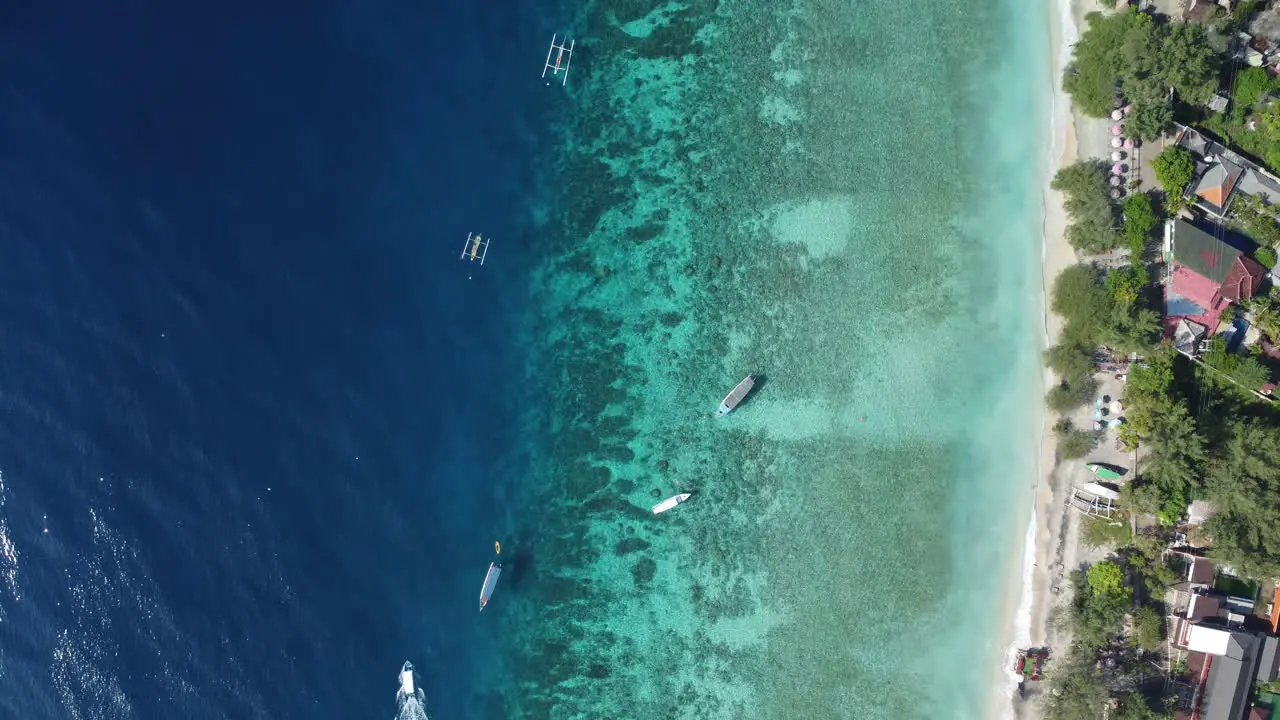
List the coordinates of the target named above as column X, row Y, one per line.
column 1223, row 664
column 1205, row 275
column 1211, row 628
column 1222, row 175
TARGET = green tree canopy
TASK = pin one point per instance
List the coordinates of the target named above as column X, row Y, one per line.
column 1149, row 119
column 1134, row 707
column 1146, row 628
column 1139, row 217
column 1257, row 219
column 1243, row 481
column 1129, row 52
column 1088, row 204
column 1187, row 62
column 1078, row 297
column 1174, row 168
column 1076, row 689
column 1106, row 582
column 1251, row 84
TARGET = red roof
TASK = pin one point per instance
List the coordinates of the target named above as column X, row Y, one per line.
column 1243, row 280
column 1200, row 290
column 1193, row 286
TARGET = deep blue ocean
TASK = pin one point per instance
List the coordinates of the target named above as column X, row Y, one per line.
column 253, row 414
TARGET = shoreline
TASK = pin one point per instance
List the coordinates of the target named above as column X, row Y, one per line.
column 1049, row 533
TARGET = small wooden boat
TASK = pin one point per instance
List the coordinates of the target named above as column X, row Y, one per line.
column 490, row 581
column 736, row 396
column 1103, row 471
column 1030, row 663
column 671, row 502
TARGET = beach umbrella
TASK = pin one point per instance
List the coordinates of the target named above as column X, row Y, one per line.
column 1116, row 180
column 1117, row 156
column 1117, row 129
column 1128, row 144
column 1116, row 193
column 1116, row 114
column 1127, row 109
column 1097, row 425
column 1116, row 407
column 1116, row 142
column 1117, row 169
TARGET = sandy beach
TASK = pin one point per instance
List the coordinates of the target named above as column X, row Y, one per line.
column 1055, row 530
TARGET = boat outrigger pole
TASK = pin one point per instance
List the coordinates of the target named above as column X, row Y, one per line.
column 475, row 248
column 563, row 55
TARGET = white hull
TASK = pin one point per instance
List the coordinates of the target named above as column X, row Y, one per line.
column 736, row 396
column 670, row 502
column 406, row 679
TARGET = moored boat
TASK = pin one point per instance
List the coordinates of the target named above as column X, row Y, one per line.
column 490, row 582
column 671, row 502
column 1103, row 471
column 736, row 396
column 1030, row 663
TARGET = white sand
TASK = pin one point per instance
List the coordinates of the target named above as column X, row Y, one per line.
column 1053, row 532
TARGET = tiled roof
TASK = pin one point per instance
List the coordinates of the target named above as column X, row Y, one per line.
column 1244, row 279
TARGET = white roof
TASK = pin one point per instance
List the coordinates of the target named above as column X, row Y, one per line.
column 1208, row 640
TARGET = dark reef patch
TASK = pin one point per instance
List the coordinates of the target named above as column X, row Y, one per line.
column 630, row 545
column 643, row 572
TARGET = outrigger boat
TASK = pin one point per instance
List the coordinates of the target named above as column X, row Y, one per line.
column 475, row 248
column 563, row 54
column 671, row 502
column 736, row 396
column 1030, row 663
column 490, row 578
column 1102, row 471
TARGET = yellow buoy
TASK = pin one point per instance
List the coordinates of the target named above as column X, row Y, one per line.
column 497, row 548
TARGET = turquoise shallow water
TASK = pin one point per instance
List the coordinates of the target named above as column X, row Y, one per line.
column 845, row 199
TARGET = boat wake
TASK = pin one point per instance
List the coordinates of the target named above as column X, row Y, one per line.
column 410, row 700
column 413, row 707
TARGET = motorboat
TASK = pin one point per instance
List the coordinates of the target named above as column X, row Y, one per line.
column 671, row 502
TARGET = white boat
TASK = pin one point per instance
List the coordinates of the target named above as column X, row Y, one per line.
column 406, row 679
column 490, row 582
column 411, row 700
column 671, row 502
column 736, row 395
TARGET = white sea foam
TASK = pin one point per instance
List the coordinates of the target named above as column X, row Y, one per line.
column 412, row 707
column 8, row 556
column 1065, row 34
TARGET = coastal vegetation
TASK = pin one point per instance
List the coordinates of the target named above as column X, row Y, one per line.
column 1174, row 168
column 1092, row 214
column 1134, row 54
column 1201, row 431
